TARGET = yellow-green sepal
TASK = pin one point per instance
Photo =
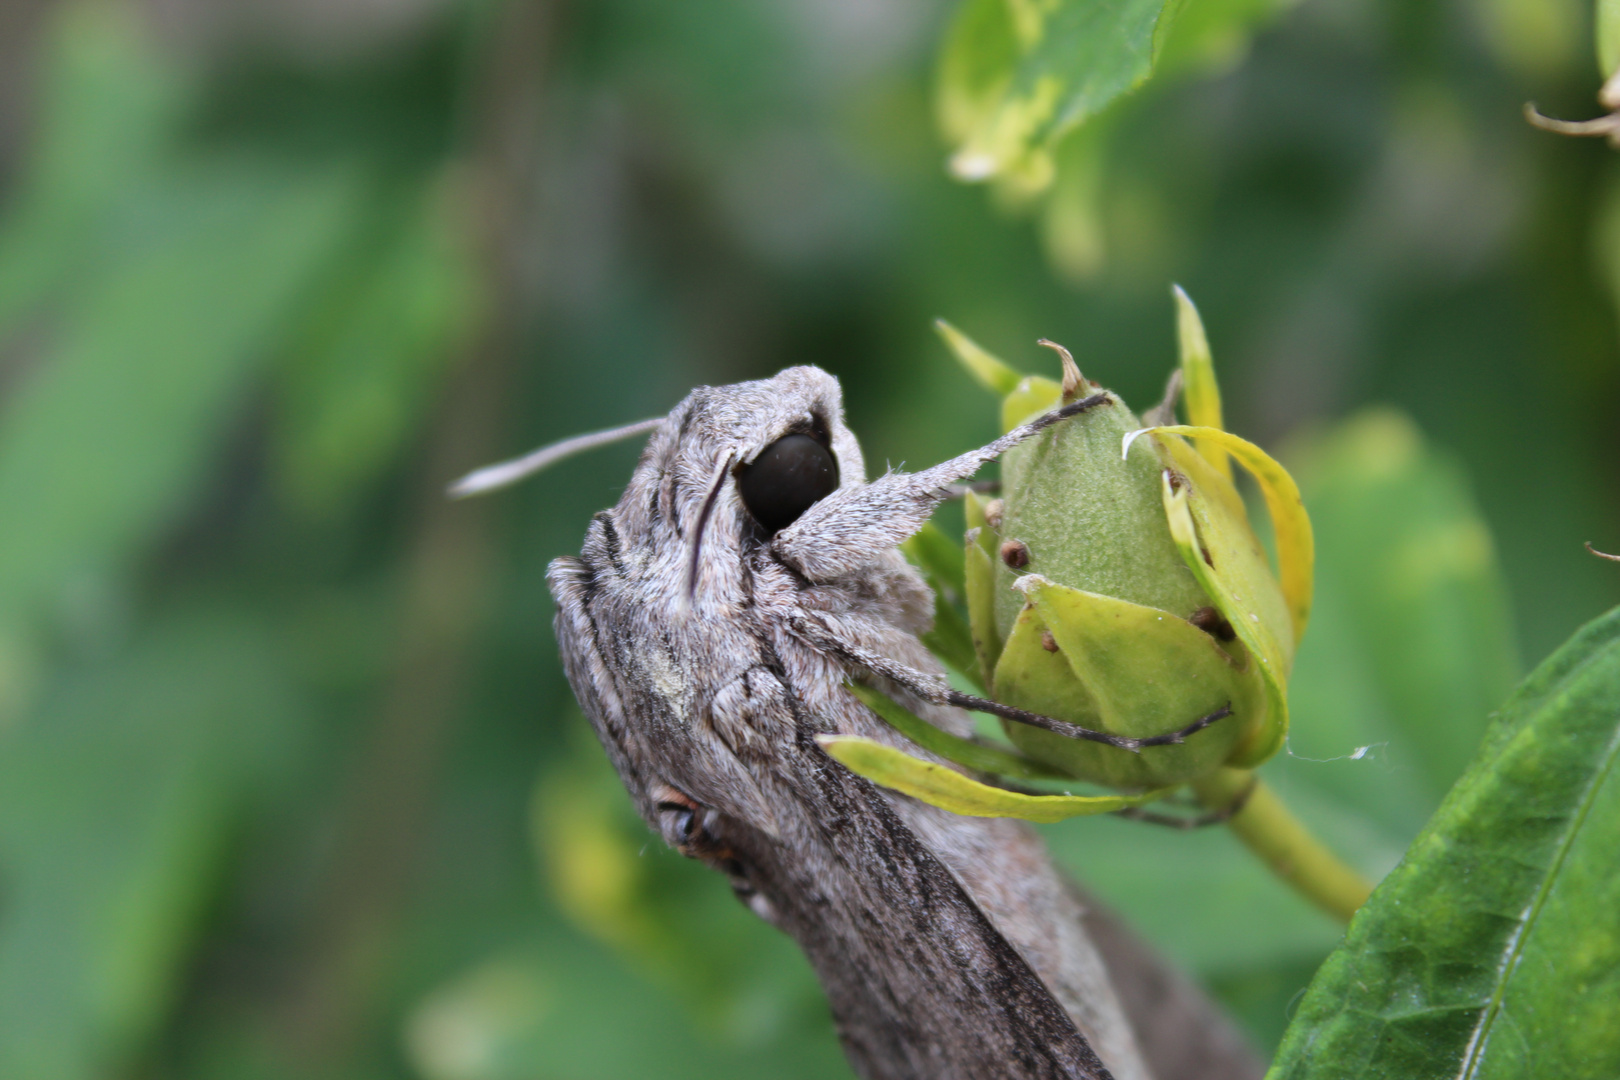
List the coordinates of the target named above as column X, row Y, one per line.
column 1033, row 395
column 986, row 368
column 941, row 563
column 979, row 585
column 1210, row 529
column 1022, row 396
column 1126, row 669
column 1199, row 391
column 944, row 787
column 1290, row 525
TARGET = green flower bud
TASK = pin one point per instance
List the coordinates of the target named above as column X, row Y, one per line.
column 1117, row 584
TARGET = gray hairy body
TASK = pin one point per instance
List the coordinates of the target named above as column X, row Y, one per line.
column 709, row 653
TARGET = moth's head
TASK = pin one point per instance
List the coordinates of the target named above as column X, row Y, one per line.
column 730, row 466
column 739, row 462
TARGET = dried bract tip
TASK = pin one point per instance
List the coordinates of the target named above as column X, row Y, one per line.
column 1073, row 381
column 994, row 511
column 1164, row 413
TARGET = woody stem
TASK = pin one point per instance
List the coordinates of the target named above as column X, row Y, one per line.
column 1269, row 829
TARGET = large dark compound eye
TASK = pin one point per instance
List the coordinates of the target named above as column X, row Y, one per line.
column 789, row 476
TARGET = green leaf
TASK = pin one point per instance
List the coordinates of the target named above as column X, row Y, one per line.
column 1207, row 519
column 937, row 556
column 1017, row 74
column 1210, row 34
column 944, row 787
column 979, row 586
column 1200, row 392
column 1493, row 950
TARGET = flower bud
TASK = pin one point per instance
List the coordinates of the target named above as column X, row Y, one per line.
column 1120, row 587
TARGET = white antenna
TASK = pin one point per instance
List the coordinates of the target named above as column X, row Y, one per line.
column 492, row 477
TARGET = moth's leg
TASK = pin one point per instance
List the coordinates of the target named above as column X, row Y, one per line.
column 978, row 487
column 935, row 690
column 845, row 530
column 1199, row 821
column 1074, row 731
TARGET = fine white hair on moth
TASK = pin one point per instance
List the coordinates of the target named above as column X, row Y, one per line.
column 709, row 627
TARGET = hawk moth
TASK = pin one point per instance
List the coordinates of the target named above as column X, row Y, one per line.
column 709, row 627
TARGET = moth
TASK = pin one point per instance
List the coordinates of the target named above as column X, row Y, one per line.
column 709, row 628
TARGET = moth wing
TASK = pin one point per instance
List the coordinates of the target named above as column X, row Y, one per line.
column 590, row 673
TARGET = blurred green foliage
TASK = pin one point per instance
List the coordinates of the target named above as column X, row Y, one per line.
column 272, row 714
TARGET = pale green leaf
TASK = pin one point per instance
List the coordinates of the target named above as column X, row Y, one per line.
column 944, row 787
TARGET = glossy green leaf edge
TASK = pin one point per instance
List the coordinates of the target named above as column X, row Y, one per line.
column 944, row 787
column 1493, row 949
column 974, row 755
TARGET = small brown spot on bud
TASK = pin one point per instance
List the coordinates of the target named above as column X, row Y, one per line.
column 1015, row 553
column 1204, row 551
column 1213, row 623
column 994, row 511
column 1048, row 642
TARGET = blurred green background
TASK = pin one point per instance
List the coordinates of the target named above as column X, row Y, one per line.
column 290, row 782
